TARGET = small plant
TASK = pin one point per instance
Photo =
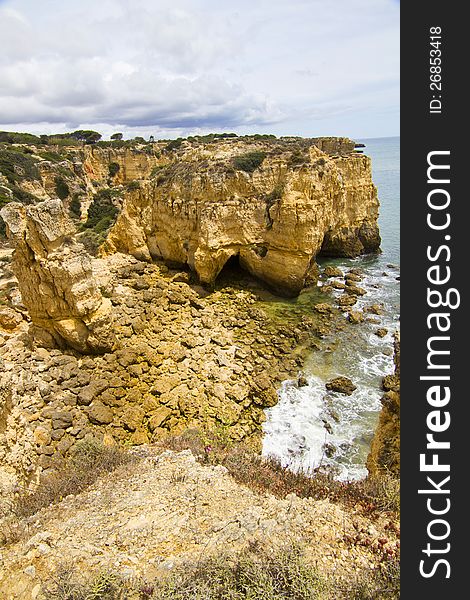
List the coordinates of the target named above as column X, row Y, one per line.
column 66, row 584
column 75, row 206
column 132, row 186
column 298, row 158
column 276, row 194
column 113, row 169
column 61, row 188
column 174, row 144
column 382, row 583
column 156, row 170
column 249, row 162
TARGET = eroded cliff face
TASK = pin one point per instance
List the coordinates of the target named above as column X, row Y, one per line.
column 384, row 457
column 201, row 209
column 133, row 164
column 55, row 278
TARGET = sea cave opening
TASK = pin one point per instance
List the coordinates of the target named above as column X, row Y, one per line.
column 233, row 273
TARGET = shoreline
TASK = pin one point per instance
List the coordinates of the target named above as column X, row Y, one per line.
column 236, row 329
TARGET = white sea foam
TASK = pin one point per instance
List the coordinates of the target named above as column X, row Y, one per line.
column 295, row 429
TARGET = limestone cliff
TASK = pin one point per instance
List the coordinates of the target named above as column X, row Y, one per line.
column 384, row 455
column 274, row 203
column 55, row 278
column 132, row 164
column 297, row 203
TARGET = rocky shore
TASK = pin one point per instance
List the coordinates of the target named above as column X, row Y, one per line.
column 182, row 358
column 384, row 457
column 146, row 333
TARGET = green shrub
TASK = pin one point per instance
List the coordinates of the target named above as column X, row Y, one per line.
column 51, row 156
column 91, row 240
column 276, row 193
column 4, row 199
column 298, row 158
column 114, row 144
column 75, row 206
column 132, row 186
column 113, row 169
column 263, row 136
column 61, row 188
column 12, row 137
column 249, row 162
column 17, row 166
column 20, row 195
column 174, row 144
column 62, row 139
column 102, row 212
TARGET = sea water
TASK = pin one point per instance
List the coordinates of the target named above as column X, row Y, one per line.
column 310, row 427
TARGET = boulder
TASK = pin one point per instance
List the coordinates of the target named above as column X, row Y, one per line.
column 100, row 414
column 347, row 300
column 9, row 318
column 330, row 271
column 159, row 417
column 343, row 385
column 355, row 316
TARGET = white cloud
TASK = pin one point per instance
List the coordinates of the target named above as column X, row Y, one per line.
column 177, row 66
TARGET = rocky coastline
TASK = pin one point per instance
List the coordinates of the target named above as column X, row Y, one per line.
column 147, row 333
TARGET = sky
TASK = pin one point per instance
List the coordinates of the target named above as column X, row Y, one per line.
column 173, row 68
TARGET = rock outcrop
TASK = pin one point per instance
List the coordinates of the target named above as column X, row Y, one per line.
column 204, row 208
column 384, row 455
column 55, row 278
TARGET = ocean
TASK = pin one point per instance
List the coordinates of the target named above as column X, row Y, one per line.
column 311, row 427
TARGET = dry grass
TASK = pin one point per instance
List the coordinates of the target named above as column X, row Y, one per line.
column 255, row 573
column 268, row 475
column 259, row 572
column 67, row 585
column 378, row 584
column 90, row 460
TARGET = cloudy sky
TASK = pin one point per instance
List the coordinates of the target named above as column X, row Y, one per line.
column 176, row 67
